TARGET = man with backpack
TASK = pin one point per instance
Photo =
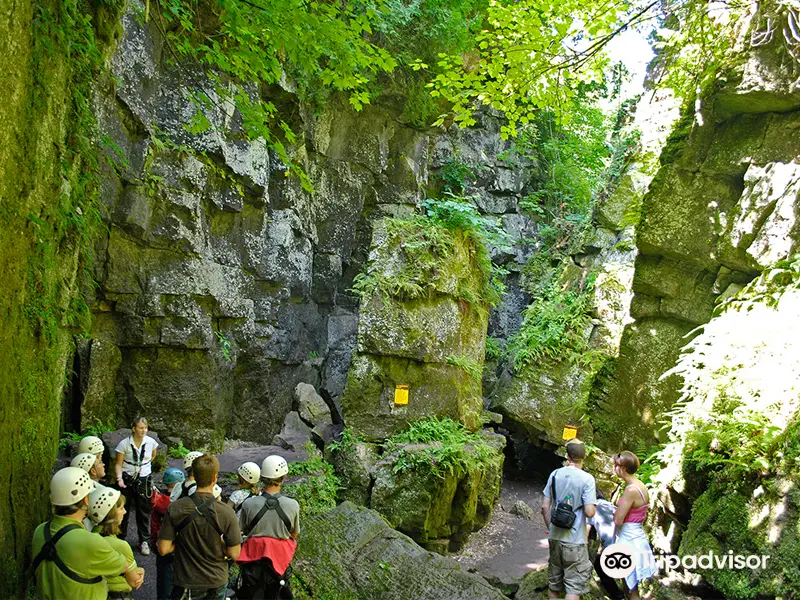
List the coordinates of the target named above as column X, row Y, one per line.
column 70, row 563
column 203, row 533
column 569, row 498
column 271, row 523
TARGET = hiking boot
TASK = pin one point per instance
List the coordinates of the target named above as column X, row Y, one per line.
column 145, row 549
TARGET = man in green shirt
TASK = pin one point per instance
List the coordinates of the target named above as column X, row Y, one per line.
column 71, row 565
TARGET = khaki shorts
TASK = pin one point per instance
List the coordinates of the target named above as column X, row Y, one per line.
column 569, row 568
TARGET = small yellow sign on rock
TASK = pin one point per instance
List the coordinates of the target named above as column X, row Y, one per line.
column 570, row 432
column 401, row 394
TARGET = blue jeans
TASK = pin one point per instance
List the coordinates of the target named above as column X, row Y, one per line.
column 179, row 593
column 164, row 576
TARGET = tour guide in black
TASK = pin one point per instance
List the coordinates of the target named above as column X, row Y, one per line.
column 202, row 532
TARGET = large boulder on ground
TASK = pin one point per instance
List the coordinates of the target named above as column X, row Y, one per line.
column 351, row 552
column 294, row 434
column 355, row 467
column 439, row 510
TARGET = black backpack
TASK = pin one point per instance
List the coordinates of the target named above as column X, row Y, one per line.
column 564, row 515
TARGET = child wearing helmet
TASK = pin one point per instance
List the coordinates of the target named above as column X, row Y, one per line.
column 172, row 477
column 249, row 485
column 181, row 490
column 270, row 522
column 106, row 511
column 85, row 558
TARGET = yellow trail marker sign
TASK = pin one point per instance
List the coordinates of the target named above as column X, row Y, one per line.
column 401, row 394
column 570, row 432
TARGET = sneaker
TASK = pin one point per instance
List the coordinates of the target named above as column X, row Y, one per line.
column 145, row 549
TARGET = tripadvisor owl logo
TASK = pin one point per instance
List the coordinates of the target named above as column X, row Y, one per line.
column 616, row 561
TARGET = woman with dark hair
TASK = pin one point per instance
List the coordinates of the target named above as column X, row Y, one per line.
column 134, row 458
column 629, row 518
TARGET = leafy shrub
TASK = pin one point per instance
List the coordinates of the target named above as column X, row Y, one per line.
column 469, row 366
column 315, row 484
column 451, row 448
column 553, row 327
column 494, row 351
column 178, row 451
column 426, row 243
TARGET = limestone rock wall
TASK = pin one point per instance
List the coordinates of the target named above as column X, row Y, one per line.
column 222, row 282
column 722, row 208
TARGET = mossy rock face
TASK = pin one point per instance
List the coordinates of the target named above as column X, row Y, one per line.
column 423, row 324
column 189, row 407
column 542, row 399
column 725, row 520
column 430, row 507
column 636, row 396
column 355, row 467
column 426, row 330
column 434, row 389
column 350, row 552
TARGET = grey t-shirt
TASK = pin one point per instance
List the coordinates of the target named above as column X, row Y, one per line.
column 270, row 524
column 579, row 486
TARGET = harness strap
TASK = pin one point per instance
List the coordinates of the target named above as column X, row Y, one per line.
column 200, row 508
column 49, row 552
column 271, row 502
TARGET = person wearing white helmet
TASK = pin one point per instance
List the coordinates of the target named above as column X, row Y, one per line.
column 202, row 532
column 182, row 489
column 69, row 561
column 91, row 464
column 270, row 523
column 91, row 444
column 249, row 475
column 106, row 511
column 133, row 465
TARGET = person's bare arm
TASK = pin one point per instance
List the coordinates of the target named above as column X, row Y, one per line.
column 165, row 547
column 589, row 510
column 233, row 551
column 546, row 512
column 118, row 468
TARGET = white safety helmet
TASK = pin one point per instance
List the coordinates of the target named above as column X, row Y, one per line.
column 190, row 458
column 217, row 491
column 69, row 486
column 274, row 467
column 250, row 472
column 91, row 444
column 84, row 461
column 101, row 501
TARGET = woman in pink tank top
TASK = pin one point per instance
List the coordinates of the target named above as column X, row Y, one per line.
column 630, row 515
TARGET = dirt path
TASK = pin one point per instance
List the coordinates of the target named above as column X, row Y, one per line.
column 509, row 546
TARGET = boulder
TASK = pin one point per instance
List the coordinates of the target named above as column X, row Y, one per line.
column 351, row 552
column 294, row 434
column 311, row 406
column 432, row 507
column 355, row 467
column 522, row 510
